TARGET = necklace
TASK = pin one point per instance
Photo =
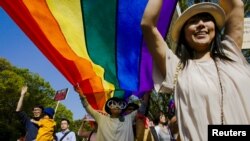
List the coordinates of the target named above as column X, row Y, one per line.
column 221, row 90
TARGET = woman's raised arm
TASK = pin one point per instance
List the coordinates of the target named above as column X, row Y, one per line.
column 234, row 26
column 155, row 42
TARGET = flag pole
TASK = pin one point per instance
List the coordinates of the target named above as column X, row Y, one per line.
column 56, row 108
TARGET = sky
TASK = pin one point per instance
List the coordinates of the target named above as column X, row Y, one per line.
column 21, row 52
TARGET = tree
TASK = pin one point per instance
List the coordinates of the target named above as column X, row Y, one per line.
column 75, row 127
column 39, row 92
column 186, row 3
column 247, row 7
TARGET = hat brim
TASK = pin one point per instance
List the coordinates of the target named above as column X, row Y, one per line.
column 205, row 7
column 134, row 105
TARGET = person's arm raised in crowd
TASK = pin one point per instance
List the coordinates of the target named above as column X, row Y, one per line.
column 144, row 103
column 85, row 102
column 155, row 42
column 82, row 131
column 234, row 26
column 20, row 101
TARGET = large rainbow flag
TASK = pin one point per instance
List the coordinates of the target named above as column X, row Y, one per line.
column 97, row 44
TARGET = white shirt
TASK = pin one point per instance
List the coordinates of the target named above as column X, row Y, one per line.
column 112, row 129
column 69, row 137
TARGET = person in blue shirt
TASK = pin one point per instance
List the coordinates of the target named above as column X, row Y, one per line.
column 30, row 128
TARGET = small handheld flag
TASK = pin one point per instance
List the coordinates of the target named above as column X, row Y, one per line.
column 61, row 94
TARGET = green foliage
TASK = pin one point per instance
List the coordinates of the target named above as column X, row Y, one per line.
column 246, row 53
column 8, row 133
column 62, row 112
column 183, row 4
column 8, row 81
column 5, row 65
column 247, row 7
column 186, row 3
column 75, row 127
column 158, row 103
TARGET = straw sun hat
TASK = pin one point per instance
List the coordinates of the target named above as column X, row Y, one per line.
column 205, row 7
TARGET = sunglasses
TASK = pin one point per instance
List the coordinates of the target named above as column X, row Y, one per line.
column 114, row 104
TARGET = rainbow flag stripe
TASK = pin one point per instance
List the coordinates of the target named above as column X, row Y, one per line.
column 93, row 43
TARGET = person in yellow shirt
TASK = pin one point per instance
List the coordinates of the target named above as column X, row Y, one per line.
column 46, row 126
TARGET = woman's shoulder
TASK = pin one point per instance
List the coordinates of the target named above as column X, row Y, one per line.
column 226, row 39
column 232, row 50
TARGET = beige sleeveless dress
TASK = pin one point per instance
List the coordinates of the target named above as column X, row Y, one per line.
column 198, row 92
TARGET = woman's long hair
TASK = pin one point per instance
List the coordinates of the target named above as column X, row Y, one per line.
column 185, row 52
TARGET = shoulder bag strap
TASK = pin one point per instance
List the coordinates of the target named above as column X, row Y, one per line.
column 177, row 71
column 65, row 135
column 154, row 133
column 178, row 68
column 163, row 89
column 90, row 134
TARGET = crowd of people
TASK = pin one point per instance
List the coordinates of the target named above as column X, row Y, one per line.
column 210, row 87
column 41, row 127
column 119, row 122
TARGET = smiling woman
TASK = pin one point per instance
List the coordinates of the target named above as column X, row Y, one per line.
column 199, row 32
column 207, row 91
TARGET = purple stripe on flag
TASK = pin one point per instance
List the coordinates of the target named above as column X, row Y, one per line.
column 146, row 80
column 166, row 14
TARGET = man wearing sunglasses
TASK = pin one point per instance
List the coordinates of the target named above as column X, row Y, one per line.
column 115, row 126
